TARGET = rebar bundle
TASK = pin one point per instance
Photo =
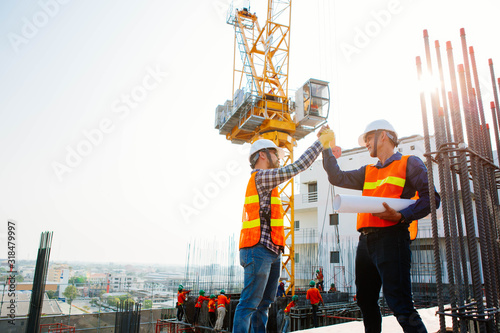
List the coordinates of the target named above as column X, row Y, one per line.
column 469, row 183
column 42, row 264
column 128, row 318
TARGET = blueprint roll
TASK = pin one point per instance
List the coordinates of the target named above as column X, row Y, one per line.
column 359, row 204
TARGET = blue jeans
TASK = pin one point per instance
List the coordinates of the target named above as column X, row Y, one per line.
column 286, row 324
column 262, row 271
column 383, row 259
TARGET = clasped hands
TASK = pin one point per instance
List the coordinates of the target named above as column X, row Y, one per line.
column 326, row 136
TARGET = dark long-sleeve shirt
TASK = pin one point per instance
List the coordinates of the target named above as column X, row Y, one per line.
column 416, row 180
column 267, row 180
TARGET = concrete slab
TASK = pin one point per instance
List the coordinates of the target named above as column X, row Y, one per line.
column 389, row 324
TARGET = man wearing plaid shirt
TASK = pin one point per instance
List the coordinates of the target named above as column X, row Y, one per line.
column 262, row 235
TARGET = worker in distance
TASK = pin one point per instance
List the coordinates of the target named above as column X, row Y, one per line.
column 383, row 256
column 262, row 238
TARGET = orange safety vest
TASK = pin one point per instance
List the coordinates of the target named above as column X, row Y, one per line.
column 200, row 301
column 250, row 229
column 314, row 296
column 289, row 306
column 181, row 297
column 385, row 182
column 212, row 304
column 222, row 300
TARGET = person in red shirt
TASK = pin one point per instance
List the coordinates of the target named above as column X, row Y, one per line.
column 212, row 305
column 222, row 301
column 181, row 299
column 286, row 322
column 197, row 306
column 314, row 296
column 332, row 288
column 319, row 277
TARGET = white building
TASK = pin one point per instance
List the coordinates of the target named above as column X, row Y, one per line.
column 120, row 282
column 328, row 240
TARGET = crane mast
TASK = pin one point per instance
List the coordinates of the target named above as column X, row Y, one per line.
column 260, row 107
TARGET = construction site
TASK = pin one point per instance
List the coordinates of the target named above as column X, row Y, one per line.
column 455, row 275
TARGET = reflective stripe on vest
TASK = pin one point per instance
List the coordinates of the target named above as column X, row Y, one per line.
column 250, row 228
column 387, row 182
column 222, row 301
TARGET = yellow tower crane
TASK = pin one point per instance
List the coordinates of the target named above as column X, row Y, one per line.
column 260, row 107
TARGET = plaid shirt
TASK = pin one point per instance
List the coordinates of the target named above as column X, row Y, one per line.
column 267, row 180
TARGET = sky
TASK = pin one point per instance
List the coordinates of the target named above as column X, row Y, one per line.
column 107, row 110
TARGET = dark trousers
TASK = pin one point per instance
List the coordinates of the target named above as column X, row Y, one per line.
column 180, row 311
column 383, row 259
column 196, row 315
column 315, row 315
column 213, row 318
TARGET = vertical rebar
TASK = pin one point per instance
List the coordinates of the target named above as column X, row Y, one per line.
column 479, row 99
column 478, row 293
column 432, row 199
column 491, row 196
column 464, row 178
column 449, row 193
column 462, row 241
column 440, row 133
column 38, row 290
column 491, row 206
column 495, row 112
column 479, row 184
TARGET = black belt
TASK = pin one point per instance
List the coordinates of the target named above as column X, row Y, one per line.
column 369, row 230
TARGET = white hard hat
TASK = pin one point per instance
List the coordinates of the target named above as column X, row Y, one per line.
column 380, row 124
column 263, row 144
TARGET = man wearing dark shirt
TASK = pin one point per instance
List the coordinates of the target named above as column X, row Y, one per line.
column 383, row 256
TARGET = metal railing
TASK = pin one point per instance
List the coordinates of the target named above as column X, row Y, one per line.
column 310, row 197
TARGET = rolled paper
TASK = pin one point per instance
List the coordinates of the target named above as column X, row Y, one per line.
column 359, row 204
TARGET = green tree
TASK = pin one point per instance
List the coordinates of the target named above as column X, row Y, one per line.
column 113, row 300
column 70, row 293
column 148, row 304
column 51, row 294
column 78, row 280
